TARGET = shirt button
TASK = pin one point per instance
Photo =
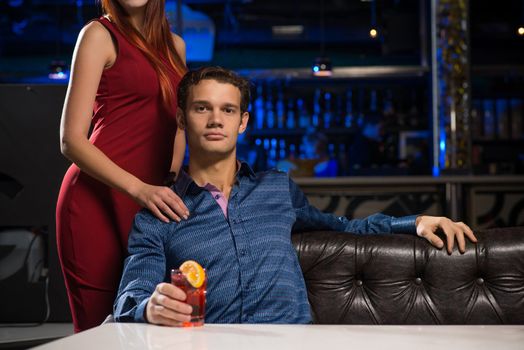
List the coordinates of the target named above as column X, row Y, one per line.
column 242, row 252
column 418, row 280
column 480, row 281
column 217, row 196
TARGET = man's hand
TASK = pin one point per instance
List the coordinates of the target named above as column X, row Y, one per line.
column 166, row 306
column 428, row 225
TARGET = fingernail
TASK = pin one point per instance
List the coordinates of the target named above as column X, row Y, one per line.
column 185, row 217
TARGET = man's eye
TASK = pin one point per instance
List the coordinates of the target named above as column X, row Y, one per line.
column 201, row 108
column 229, row 110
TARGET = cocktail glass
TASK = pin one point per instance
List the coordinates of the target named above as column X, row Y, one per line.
column 196, row 297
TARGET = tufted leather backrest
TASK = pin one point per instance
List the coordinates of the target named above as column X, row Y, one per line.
column 402, row 279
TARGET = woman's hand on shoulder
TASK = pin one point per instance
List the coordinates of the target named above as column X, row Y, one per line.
column 161, row 201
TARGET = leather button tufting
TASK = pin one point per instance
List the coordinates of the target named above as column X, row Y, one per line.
column 359, row 283
column 418, row 280
column 480, row 281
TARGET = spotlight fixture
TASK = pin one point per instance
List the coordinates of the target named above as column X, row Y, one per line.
column 322, row 64
column 322, row 67
column 373, row 32
column 520, row 31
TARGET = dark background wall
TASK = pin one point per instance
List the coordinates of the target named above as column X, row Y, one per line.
column 31, row 170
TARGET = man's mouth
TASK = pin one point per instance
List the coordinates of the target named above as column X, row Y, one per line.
column 214, row 136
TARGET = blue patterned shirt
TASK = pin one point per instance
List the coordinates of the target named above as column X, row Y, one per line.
column 253, row 271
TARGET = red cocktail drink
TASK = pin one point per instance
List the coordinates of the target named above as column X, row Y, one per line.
column 196, row 297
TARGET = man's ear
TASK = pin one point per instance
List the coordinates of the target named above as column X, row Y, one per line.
column 180, row 119
column 243, row 122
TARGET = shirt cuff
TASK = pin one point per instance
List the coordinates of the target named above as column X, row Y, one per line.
column 140, row 311
column 405, row 224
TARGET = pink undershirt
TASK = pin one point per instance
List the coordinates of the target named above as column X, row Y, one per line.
column 218, row 196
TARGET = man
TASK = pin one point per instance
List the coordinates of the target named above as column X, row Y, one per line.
column 240, row 224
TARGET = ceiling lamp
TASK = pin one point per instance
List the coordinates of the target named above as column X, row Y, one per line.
column 322, row 67
column 322, row 64
column 373, row 32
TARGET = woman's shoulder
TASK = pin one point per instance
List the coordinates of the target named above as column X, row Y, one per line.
column 180, row 45
column 95, row 31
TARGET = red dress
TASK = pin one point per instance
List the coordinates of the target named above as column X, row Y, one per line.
column 131, row 126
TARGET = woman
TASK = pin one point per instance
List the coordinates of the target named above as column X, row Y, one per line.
column 126, row 67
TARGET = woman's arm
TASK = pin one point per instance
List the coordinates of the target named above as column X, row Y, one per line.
column 93, row 53
column 179, row 147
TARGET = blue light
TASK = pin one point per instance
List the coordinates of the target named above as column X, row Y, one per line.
column 315, row 69
column 442, row 146
column 58, row 75
column 436, row 171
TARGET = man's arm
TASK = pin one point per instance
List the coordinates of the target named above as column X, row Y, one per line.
column 142, row 295
column 310, row 218
column 144, row 268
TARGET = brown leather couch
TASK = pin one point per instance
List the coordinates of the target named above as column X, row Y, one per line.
column 402, row 279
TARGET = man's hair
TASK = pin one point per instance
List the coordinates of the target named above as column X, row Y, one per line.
column 218, row 74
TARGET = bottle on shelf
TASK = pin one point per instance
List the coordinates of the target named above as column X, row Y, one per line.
column 328, row 115
column 303, row 115
column 388, row 110
column 360, row 105
column 476, row 119
column 342, row 160
column 270, row 112
column 273, row 154
column 315, row 118
column 349, row 118
column 502, row 119
column 373, row 101
column 260, row 162
column 292, row 151
column 488, row 119
column 282, row 149
column 260, row 114
column 290, row 117
column 338, row 114
column 280, row 108
column 517, row 119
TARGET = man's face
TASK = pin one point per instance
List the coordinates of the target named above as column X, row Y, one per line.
column 213, row 118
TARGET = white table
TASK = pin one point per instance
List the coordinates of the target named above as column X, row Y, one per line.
column 303, row 337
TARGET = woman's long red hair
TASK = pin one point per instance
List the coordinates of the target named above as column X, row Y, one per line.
column 155, row 42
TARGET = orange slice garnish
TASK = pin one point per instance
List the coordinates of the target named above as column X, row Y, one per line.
column 193, row 272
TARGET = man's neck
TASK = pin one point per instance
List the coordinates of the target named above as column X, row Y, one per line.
column 219, row 173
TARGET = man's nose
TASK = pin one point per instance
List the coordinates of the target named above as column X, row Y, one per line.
column 215, row 119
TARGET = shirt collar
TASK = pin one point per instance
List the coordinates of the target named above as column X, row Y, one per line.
column 184, row 181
